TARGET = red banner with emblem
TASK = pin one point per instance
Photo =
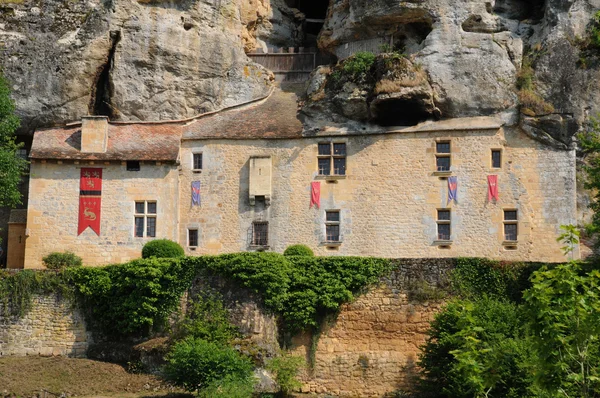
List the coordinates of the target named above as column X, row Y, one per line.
column 90, row 200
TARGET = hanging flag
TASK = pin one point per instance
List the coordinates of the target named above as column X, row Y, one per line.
column 452, row 187
column 315, row 194
column 492, row 187
column 90, row 200
column 195, row 193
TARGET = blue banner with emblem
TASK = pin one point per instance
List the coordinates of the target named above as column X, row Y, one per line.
column 195, row 193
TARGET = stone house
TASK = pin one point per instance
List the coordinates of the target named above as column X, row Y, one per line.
column 244, row 178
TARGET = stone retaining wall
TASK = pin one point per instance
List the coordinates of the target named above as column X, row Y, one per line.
column 52, row 327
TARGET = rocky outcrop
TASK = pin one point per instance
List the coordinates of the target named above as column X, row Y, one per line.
column 473, row 51
column 131, row 60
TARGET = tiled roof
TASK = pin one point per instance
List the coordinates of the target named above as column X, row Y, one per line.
column 159, row 142
column 273, row 118
column 18, row 216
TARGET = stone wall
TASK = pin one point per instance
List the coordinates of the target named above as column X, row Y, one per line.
column 390, row 195
column 52, row 327
column 53, row 210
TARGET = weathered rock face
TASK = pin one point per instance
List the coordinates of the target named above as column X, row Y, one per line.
column 132, row 60
column 473, row 50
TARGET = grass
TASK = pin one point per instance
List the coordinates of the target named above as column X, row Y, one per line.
column 392, row 86
column 26, row 376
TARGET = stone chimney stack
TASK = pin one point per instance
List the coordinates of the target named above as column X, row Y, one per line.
column 94, row 134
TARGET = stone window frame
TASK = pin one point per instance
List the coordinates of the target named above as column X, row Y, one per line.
column 331, row 156
column 501, row 152
column 194, row 169
column 189, row 238
column 447, row 238
column 330, row 223
column 145, row 215
column 443, row 155
column 260, row 238
column 512, row 222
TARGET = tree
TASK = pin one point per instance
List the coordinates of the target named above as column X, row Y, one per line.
column 12, row 167
column 564, row 319
column 589, row 142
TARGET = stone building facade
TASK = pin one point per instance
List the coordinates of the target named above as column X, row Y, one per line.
column 382, row 192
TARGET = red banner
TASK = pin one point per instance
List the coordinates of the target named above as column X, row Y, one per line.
column 90, row 200
column 315, row 194
column 492, row 188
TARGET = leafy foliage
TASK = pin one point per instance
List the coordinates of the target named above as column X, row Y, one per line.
column 208, row 319
column 298, row 250
column 564, row 316
column 229, row 387
column 131, row 298
column 162, row 248
column 196, row 364
column 476, row 348
column 286, row 368
column 302, row 289
column 359, row 65
column 11, row 166
column 58, row 260
column 589, row 142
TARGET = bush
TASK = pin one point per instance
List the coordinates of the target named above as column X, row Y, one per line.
column 162, row 248
column 208, row 320
column 62, row 260
column 359, row 65
column 298, row 250
column 132, row 298
column 286, row 368
column 195, row 364
column 477, row 347
column 229, row 388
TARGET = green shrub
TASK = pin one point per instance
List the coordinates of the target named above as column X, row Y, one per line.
column 207, row 319
column 229, row 388
column 132, row 298
column 298, row 250
column 477, row 347
column 195, row 363
column 286, row 368
column 162, row 248
column 58, row 260
column 358, row 66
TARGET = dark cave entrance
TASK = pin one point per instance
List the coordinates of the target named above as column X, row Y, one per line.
column 520, row 9
column 103, row 90
column 400, row 112
column 315, row 12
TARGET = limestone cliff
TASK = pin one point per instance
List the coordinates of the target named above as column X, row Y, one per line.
column 131, row 60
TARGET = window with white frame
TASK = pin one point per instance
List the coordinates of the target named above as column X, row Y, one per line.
column 332, row 157
column 332, row 226
column 442, row 156
column 197, row 161
column 443, row 224
column 511, row 225
column 145, row 219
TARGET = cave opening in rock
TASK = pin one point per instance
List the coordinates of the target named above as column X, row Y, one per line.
column 315, row 12
column 103, row 90
column 520, row 9
column 400, row 112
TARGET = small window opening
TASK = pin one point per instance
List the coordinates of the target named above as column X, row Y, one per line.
column 192, row 237
column 133, row 165
column 496, row 158
column 511, row 225
column 332, row 155
column 260, row 233
column 332, row 226
column 443, row 225
column 442, row 156
column 197, row 161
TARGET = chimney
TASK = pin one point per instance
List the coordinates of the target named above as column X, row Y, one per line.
column 94, row 134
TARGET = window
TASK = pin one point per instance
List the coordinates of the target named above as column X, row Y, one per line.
column 145, row 219
column 260, row 233
column 192, row 237
column 22, row 153
column 133, row 165
column 332, row 225
column 197, row 161
column 510, row 225
column 442, row 156
column 496, row 158
column 443, row 224
column 332, row 155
